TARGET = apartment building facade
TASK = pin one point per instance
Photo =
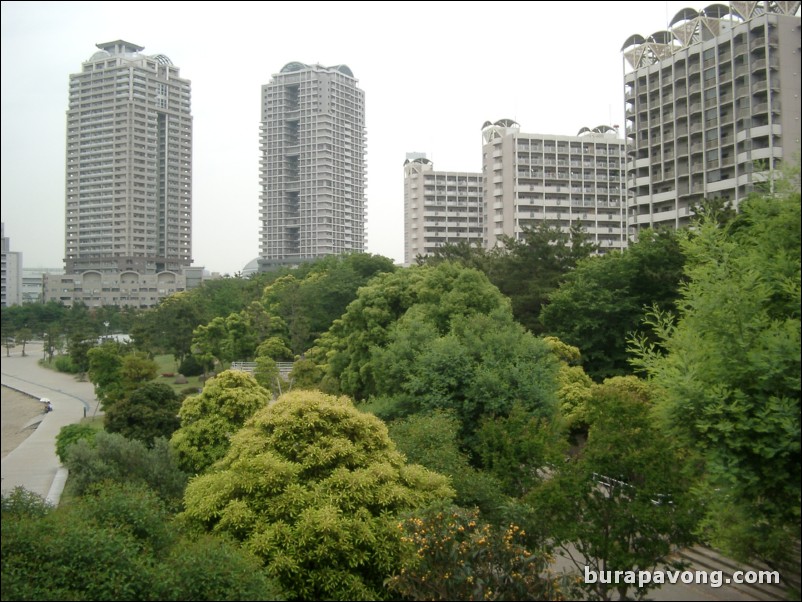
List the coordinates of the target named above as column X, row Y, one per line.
column 129, row 164
column 440, row 207
column 312, row 165
column 712, row 107
column 11, row 280
column 560, row 181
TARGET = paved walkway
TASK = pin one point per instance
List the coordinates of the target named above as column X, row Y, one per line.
column 34, row 464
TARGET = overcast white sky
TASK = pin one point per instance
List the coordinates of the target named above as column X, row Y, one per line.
column 432, row 73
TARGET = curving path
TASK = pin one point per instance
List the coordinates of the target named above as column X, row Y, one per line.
column 34, row 464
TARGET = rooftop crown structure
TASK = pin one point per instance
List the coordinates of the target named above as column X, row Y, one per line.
column 712, row 107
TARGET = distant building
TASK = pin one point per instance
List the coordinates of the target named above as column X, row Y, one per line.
column 129, row 171
column 712, row 107
column 96, row 289
column 312, row 166
column 11, row 272
column 440, row 207
column 33, row 283
column 560, row 181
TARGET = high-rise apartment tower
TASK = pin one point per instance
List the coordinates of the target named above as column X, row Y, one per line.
column 712, row 107
column 312, row 166
column 558, row 181
column 440, row 207
column 129, row 164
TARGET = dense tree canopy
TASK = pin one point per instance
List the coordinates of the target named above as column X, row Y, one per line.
column 311, row 486
column 438, row 295
column 148, row 413
column 116, row 543
column 604, row 300
column 623, row 502
column 729, row 382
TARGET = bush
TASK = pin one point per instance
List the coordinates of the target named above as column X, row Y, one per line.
column 64, row 363
column 71, row 434
column 190, row 366
column 115, row 458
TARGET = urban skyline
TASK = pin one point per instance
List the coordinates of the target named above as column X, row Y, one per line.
column 420, row 97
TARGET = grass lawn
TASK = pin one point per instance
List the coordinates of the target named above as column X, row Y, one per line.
column 167, row 365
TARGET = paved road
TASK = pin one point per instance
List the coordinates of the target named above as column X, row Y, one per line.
column 34, row 464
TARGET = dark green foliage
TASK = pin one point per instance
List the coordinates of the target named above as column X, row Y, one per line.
column 117, row 543
column 623, row 502
column 526, row 270
column 112, row 457
column 604, row 300
column 519, row 450
column 190, row 366
column 71, row 434
column 481, row 367
column 148, row 413
column 438, row 294
column 432, row 440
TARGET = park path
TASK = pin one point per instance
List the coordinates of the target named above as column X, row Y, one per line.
column 34, row 464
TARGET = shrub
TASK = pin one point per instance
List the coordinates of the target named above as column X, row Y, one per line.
column 64, row 363
column 71, row 434
column 190, row 366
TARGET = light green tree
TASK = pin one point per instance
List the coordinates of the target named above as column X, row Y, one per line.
column 210, row 419
column 311, row 486
column 727, row 373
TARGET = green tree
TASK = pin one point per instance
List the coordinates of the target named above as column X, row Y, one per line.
column 105, row 366
column 124, row 534
column 529, row 268
column 210, row 419
column 112, row 457
column 604, row 300
column 453, row 555
column 438, row 293
column 313, row 296
column 432, row 440
column 622, row 504
column 480, row 367
column 24, row 335
column 148, row 413
column 518, row 449
column 727, row 372
column 71, row 434
column 311, row 485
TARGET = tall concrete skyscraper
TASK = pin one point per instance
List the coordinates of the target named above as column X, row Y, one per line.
column 712, row 107
column 312, row 166
column 129, row 164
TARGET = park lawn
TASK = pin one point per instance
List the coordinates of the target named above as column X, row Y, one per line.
column 167, row 366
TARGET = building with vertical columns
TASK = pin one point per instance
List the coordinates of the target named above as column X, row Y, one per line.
column 128, row 227
column 440, row 207
column 560, row 181
column 312, row 166
column 712, row 107
column 129, row 164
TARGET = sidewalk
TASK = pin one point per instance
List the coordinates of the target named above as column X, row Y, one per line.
column 34, row 464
